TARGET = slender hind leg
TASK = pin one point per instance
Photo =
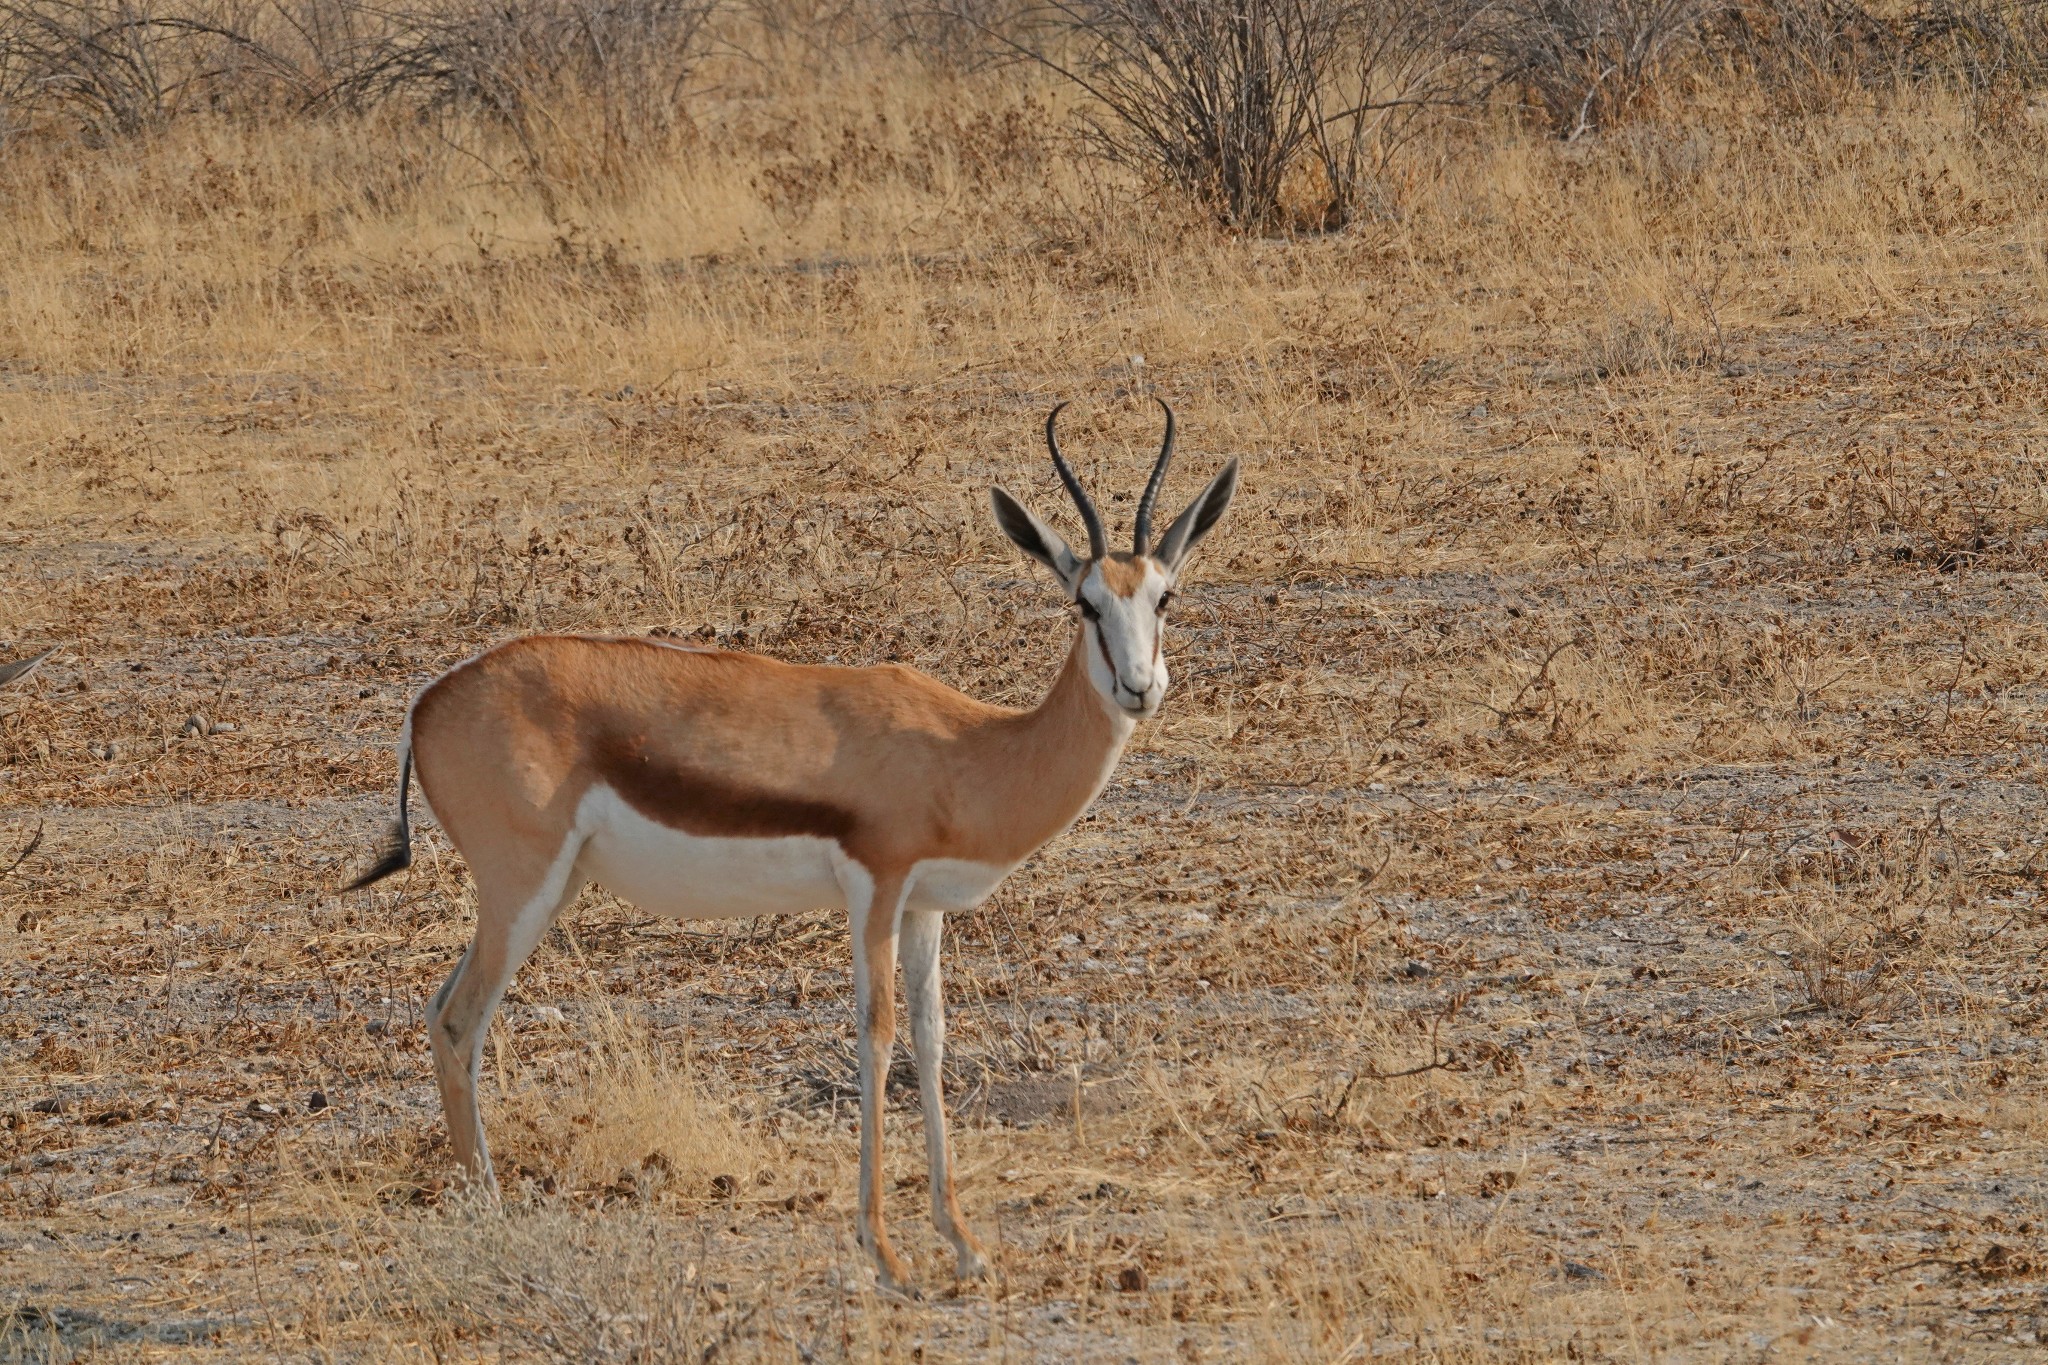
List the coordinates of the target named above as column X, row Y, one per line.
column 511, row 916
column 874, row 906
column 927, row 1004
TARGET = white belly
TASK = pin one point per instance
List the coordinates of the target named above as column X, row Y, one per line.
column 953, row 884
column 687, row 876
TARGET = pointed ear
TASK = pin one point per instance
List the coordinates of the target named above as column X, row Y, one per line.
column 1190, row 526
column 1035, row 538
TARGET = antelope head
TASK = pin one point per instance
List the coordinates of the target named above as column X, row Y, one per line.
column 1122, row 597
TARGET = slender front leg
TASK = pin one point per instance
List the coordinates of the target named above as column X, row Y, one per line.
column 874, row 991
column 927, row 1001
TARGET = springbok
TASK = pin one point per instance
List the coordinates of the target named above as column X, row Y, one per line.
column 702, row 784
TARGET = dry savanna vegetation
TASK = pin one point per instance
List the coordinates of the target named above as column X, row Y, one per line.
column 1582, row 901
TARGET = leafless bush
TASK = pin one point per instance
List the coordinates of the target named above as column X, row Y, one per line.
column 1280, row 111
column 953, row 33
column 119, row 66
column 1986, row 43
column 1808, row 54
column 820, row 33
column 582, row 87
column 1846, row 972
column 1588, row 63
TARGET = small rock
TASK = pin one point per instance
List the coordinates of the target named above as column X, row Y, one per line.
column 53, row 1105
column 1579, row 1270
column 316, row 1101
column 1131, row 1279
column 196, row 724
column 723, row 1186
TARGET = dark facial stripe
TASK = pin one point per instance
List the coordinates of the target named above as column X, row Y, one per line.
column 1116, row 682
column 697, row 803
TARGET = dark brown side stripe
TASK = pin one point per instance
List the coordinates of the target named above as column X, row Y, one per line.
column 698, row 803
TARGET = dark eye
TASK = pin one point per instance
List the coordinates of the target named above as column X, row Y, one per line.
column 1164, row 599
column 1087, row 609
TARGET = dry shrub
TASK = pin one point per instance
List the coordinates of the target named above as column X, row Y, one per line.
column 1808, row 54
column 1235, row 99
column 582, row 89
column 1589, row 64
column 1986, row 44
column 1848, row 969
column 582, row 1261
column 117, row 67
column 593, row 1254
column 557, row 1284
column 1812, row 55
column 1413, row 1287
column 1643, row 340
column 628, row 1115
column 1571, row 703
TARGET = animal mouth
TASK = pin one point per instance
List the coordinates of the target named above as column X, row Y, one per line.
column 1117, row 685
column 1143, row 706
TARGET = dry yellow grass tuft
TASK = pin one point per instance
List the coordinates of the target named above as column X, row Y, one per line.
column 1581, row 903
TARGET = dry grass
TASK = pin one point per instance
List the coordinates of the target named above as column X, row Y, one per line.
column 1614, row 701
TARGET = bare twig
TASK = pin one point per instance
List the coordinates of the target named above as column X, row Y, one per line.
column 35, row 841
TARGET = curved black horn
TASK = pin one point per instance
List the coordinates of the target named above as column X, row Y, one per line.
column 1098, row 544
column 1143, row 532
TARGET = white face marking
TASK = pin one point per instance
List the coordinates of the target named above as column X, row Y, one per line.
column 1127, row 629
column 688, row 876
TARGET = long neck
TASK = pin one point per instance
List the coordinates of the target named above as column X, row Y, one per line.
column 1045, row 765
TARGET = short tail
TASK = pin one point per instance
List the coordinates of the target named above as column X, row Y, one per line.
column 397, row 855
